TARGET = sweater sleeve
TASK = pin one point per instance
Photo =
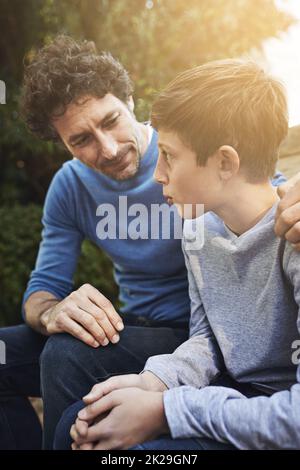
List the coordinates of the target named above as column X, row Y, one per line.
column 60, row 245
column 198, row 360
column 225, row 415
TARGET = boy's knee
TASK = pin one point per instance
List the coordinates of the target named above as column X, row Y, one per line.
column 62, row 438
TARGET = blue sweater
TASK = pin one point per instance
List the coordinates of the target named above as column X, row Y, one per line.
column 151, row 273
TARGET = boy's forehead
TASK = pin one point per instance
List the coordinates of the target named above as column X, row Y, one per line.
column 170, row 140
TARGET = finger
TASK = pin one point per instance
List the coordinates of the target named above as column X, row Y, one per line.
column 74, row 446
column 73, row 433
column 102, row 302
column 293, row 235
column 81, row 427
column 86, row 446
column 289, row 186
column 76, row 437
column 296, row 246
column 103, row 405
column 113, row 383
column 101, row 318
column 76, row 330
column 89, row 324
column 286, row 218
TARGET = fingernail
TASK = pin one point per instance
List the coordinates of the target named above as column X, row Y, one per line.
column 105, row 342
column 96, row 344
column 82, row 414
column 120, row 326
column 115, row 338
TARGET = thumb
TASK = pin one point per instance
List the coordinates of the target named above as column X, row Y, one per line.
column 284, row 188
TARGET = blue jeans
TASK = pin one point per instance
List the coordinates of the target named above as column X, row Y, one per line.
column 63, row 369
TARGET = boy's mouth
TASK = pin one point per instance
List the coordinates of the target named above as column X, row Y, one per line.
column 169, row 199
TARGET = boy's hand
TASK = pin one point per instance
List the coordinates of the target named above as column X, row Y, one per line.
column 287, row 219
column 132, row 416
column 145, row 381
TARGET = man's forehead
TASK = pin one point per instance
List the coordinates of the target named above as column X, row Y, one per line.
column 80, row 111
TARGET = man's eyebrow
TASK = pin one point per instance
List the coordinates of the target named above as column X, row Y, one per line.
column 102, row 121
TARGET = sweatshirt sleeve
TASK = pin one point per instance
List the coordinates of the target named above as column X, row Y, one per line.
column 225, row 415
column 198, row 360
column 60, row 245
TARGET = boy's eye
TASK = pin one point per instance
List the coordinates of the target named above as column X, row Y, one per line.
column 166, row 156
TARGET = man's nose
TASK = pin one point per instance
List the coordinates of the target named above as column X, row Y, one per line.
column 108, row 146
column 160, row 174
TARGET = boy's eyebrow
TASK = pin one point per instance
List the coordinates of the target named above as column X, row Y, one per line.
column 102, row 121
column 166, row 146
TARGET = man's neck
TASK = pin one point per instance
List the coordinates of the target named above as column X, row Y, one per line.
column 246, row 206
column 144, row 133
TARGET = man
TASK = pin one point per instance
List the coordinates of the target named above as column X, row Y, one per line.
column 84, row 99
column 220, row 126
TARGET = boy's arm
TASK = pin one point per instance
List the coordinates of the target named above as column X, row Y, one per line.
column 226, row 415
column 198, row 360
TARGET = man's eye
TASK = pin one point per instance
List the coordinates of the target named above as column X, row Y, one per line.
column 112, row 121
column 81, row 142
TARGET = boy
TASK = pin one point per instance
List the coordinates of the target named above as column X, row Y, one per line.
column 220, row 126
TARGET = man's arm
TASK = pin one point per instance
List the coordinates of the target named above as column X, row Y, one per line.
column 50, row 306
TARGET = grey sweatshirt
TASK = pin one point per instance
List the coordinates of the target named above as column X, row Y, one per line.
column 245, row 297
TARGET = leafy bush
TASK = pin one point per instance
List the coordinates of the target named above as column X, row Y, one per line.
column 19, row 240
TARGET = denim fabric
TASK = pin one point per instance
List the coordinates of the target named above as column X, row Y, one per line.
column 69, row 368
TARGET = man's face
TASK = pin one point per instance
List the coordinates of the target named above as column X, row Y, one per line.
column 184, row 181
column 104, row 134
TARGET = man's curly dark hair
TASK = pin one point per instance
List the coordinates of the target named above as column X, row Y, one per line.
column 61, row 73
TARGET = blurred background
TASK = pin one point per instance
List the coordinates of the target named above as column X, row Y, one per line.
column 154, row 39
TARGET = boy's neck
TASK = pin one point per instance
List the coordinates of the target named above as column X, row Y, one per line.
column 246, row 205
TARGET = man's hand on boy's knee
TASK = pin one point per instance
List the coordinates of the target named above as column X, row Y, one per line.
column 145, row 381
column 287, row 220
column 127, row 417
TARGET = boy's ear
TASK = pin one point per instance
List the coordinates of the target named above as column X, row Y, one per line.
column 229, row 161
column 130, row 104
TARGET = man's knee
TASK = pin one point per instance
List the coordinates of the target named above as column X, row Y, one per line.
column 60, row 354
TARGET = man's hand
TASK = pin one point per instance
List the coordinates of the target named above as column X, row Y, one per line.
column 87, row 315
column 127, row 417
column 287, row 219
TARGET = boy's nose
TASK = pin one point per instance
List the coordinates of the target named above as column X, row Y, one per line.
column 159, row 174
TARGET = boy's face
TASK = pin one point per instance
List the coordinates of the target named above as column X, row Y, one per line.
column 185, row 182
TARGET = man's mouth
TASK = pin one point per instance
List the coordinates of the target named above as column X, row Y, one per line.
column 120, row 162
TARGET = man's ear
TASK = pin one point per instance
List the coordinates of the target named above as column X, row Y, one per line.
column 130, row 104
column 229, row 161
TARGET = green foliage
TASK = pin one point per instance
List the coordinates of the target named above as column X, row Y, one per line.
column 19, row 240
column 154, row 40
